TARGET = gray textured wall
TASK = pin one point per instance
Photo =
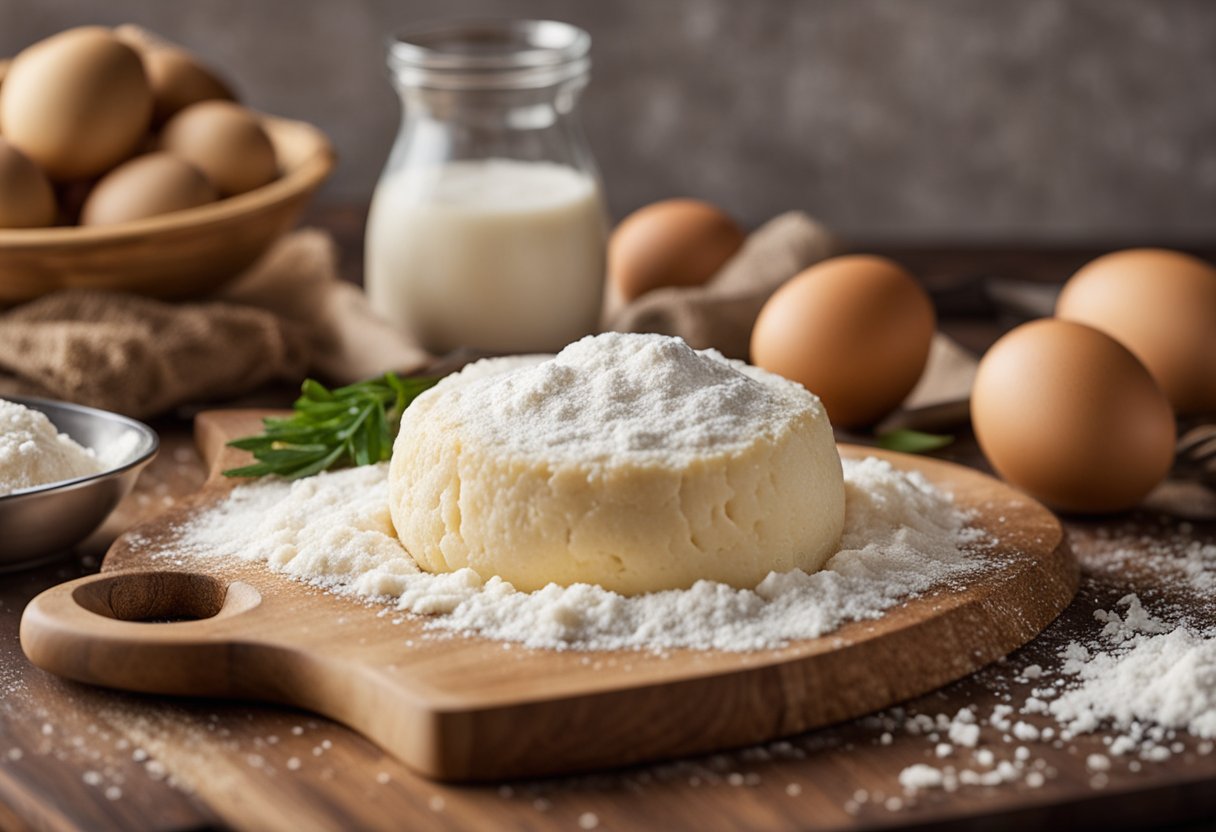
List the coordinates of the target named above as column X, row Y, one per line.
column 919, row 119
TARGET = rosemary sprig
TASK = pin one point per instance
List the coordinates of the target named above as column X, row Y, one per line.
column 353, row 425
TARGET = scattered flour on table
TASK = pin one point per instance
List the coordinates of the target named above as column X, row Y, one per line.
column 34, row 453
column 1172, row 555
column 902, row 537
column 1140, row 671
column 1143, row 682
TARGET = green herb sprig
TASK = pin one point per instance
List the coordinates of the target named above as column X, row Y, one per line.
column 353, row 425
column 913, row 441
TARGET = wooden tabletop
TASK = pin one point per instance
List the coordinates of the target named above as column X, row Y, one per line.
column 78, row 758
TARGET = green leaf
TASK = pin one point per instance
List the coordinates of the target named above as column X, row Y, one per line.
column 351, row 425
column 294, row 453
column 377, row 437
column 252, row 443
column 260, row 469
column 359, row 448
column 318, row 466
column 315, row 391
column 913, row 441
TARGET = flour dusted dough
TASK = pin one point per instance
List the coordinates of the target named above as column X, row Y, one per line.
column 628, row 461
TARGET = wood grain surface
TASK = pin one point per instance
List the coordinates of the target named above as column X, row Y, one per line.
column 465, row 709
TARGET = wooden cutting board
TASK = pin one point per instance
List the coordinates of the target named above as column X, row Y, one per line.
column 473, row 709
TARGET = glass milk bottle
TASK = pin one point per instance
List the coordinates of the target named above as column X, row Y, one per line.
column 488, row 228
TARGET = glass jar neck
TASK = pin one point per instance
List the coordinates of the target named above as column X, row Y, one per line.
column 480, row 64
column 495, row 88
column 521, row 109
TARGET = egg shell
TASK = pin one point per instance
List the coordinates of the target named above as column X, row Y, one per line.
column 675, row 242
column 146, row 186
column 176, row 77
column 26, row 197
column 226, row 142
column 854, row 330
column 178, row 81
column 139, row 37
column 77, row 103
column 1161, row 305
column 1069, row 415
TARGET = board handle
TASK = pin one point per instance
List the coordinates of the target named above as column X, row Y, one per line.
column 153, row 632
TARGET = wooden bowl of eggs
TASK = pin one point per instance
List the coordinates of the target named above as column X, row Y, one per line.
column 125, row 165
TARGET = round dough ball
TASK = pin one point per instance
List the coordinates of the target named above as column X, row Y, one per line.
column 628, row 461
column 26, row 197
column 226, row 142
column 675, row 242
column 77, row 103
column 854, row 330
column 1161, row 305
column 1068, row 414
column 147, row 186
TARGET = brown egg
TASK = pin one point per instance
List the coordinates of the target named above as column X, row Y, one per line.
column 77, row 103
column 147, row 186
column 177, row 77
column 139, row 37
column 226, row 142
column 1068, row 414
column 676, row 242
column 178, row 81
column 5, row 63
column 26, row 197
column 1161, row 305
column 854, row 330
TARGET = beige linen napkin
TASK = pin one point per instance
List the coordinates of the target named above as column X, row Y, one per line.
column 288, row 317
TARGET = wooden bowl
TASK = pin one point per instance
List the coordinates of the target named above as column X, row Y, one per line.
column 178, row 255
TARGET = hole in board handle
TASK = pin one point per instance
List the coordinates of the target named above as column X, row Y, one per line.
column 164, row 597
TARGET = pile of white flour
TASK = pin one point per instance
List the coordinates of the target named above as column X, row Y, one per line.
column 1139, row 672
column 34, row 453
column 902, row 537
column 586, row 404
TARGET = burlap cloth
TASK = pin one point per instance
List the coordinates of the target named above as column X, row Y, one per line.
column 291, row 316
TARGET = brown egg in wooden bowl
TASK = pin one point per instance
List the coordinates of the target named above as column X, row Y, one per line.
column 176, row 255
column 149, row 224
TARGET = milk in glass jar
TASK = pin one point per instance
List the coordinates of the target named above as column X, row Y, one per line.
column 487, row 228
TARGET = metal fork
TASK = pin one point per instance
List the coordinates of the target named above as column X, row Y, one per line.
column 1196, row 455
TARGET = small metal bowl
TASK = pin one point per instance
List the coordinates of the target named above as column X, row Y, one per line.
column 38, row 523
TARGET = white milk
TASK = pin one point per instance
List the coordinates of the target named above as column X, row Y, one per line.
column 502, row 255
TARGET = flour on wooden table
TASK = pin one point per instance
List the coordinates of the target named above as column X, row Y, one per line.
column 1143, row 681
column 902, row 537
column 1139, row 670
